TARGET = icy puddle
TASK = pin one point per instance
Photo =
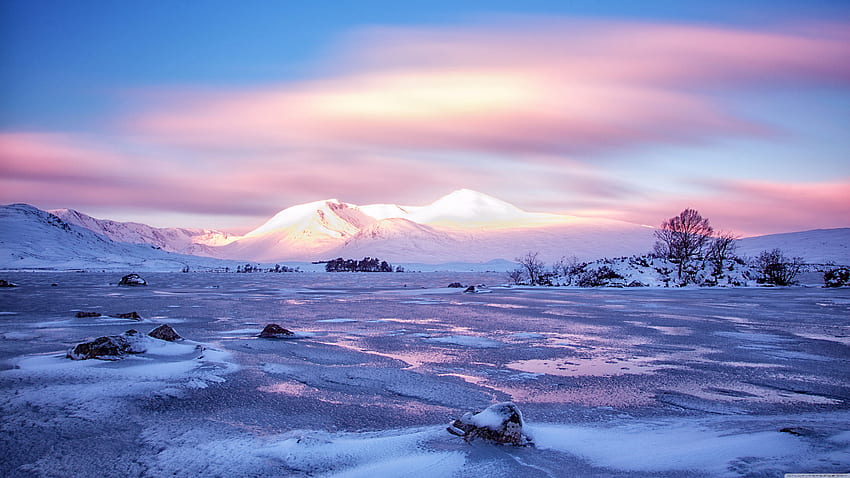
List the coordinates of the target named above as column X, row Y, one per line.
column 597, row 366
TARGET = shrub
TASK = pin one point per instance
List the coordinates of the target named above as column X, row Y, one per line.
column 837, row 277
column 598, row 277
column 776, row 269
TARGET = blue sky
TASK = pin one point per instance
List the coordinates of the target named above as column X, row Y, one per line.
column 92, row 89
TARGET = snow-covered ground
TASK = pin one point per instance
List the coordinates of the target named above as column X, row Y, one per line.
column 612, row 382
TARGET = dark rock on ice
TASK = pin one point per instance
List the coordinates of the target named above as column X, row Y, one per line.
column 165, row 332
column 132, row 279
column 5, row 283
column 129, row 315
column 470, row 289
column 84, row 315
column 110, row 347
column 500, row 423
column 455, row 285
column 274, row 331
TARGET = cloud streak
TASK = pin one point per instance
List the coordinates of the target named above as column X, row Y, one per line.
column 556, row 86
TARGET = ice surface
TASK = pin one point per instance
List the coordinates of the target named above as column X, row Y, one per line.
column 692, row 383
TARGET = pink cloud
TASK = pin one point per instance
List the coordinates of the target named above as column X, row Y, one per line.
column 55, row 171
column 562, row 86
column 751, row 207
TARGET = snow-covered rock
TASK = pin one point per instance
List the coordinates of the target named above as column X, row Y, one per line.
column 110, row 347
column 499, row 423
column 165, row 332
column 132, row 279
column 274, row 331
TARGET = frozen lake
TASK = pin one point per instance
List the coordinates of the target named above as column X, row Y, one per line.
column 612, row 382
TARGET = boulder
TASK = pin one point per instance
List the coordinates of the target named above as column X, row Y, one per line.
column 470, row 289
column 165, row 332
column 129, row 315
column 274, row 331
column 455, row 285
column 5, row 283
column 500, row 423
column 85, row 315
column 132, row 279
column 109, row 347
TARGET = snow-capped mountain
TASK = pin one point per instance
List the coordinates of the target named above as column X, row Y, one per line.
column 34, row 239
column 199, row 242
column 464, row 226
column 302, row 232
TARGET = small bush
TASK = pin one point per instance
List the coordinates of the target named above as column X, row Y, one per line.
column 776, row 269
column 598, row 277
column 837, row 277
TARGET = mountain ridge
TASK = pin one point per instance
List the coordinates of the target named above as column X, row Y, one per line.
column 463, row 226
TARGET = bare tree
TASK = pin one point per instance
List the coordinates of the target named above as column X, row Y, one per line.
column 682, row 238
column 777, row 269
column 515, row 275
column 533, row 266
column 721, row 249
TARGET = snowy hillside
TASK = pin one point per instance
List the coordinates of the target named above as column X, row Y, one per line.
column 34, row 239
column 173, row 239
column 816, row 246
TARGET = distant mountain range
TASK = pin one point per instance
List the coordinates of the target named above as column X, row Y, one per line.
column 462, row 227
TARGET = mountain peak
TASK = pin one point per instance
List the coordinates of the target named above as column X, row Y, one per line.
column 466, row 207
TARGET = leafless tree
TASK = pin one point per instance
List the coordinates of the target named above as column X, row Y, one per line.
column 682, row 238
column 515, row 275
column 533, row 266
column 777, row 269
column 720, row 249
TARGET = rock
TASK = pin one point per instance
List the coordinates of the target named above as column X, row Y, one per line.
column 84, row 315
column 165, row 332
column 129, row 315
column 110, row 347
column 500, row 423
column 470, row 289
column 455, row 285
column 54, row 285
column 5, row 283
column 132, row 279
column 274, row 331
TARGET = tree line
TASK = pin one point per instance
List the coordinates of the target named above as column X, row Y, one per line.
column 367, row 264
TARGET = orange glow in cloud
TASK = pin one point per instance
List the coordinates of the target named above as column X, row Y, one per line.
column 562, row 87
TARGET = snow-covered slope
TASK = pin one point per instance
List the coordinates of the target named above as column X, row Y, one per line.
column 464, row 226
column 34, row 239
column 302, row 232
column 816, row 246
column 173, row 239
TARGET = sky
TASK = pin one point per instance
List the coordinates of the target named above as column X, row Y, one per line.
column 218, row 114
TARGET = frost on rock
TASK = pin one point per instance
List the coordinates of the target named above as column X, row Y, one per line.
column 132, row 279
column 165, row 332
column 86, row 315
column 500, row 423
column 109, row 347
column 274, row 331
column 129, row 315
